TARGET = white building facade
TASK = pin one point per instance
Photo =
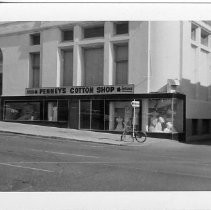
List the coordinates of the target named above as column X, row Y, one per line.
column 84, row 75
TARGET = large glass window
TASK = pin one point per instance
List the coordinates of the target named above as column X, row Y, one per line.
column 160, row 116
column 56, row 111
column 63, row 110
column 85, row 114
column 93, row 66
column 35, row 66
column 98, row 114
column 22, row 111
column 53, row 111
column 121, row 63
column 67, row 67
column 164, row 115
column 74, row 114
column 119, row 112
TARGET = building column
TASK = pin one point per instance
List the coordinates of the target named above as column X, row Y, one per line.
column 77, row 58
column 144, row 115
column 108, row 55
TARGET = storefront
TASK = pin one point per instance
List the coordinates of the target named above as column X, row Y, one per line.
column 99, row 108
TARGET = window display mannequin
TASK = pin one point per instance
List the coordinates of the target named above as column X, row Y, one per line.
column 153, row 123
column 119, row 126
column 169, row 128
column 159, row 124
column 54, row 113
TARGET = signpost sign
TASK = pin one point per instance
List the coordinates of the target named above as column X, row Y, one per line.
column 135, row 103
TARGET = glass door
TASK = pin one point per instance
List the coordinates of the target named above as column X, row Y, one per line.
column 74, row 114
column 98, row 114
column 85, row 114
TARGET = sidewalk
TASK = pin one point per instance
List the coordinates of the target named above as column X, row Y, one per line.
column 65, row 133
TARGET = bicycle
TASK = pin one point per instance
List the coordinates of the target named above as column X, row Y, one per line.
column 128, row 136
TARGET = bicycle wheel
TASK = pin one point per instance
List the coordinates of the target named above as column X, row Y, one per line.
column 140, row 136
column 126, row 137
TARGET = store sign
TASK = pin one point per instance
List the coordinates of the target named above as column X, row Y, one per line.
column 82, row 90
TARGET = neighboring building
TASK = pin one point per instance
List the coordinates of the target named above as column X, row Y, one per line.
column 84, row 75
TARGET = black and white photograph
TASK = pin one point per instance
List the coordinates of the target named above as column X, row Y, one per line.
column 105, row 105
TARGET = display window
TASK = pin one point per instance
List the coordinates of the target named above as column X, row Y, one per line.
column 165, row 115
column 22, row 111
column 120, row 113
column 53, row 111
column 85, row 114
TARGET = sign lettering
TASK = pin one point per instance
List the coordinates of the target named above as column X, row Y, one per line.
column 82, row 90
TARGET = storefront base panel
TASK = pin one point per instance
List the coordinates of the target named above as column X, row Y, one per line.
column 174, row 136
column 198, row 138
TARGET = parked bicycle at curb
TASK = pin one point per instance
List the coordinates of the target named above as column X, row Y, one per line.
column 129, row 136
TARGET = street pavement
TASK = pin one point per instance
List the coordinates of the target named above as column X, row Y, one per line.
column 37, row 163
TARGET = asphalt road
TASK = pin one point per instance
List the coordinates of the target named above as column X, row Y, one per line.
column 29, row 163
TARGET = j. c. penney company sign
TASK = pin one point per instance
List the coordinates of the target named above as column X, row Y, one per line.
column 82, row 90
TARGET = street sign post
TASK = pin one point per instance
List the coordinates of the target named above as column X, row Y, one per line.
column 135, row 104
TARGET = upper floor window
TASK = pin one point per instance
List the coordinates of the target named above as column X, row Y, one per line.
column 93, row 65
column 121, row 63
column 193, row 31
column 67, row 67
column 35, row 39
column 121, row 28
column 35, row 67
column 204, row 37
column 67, row 35
column 96, row 31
